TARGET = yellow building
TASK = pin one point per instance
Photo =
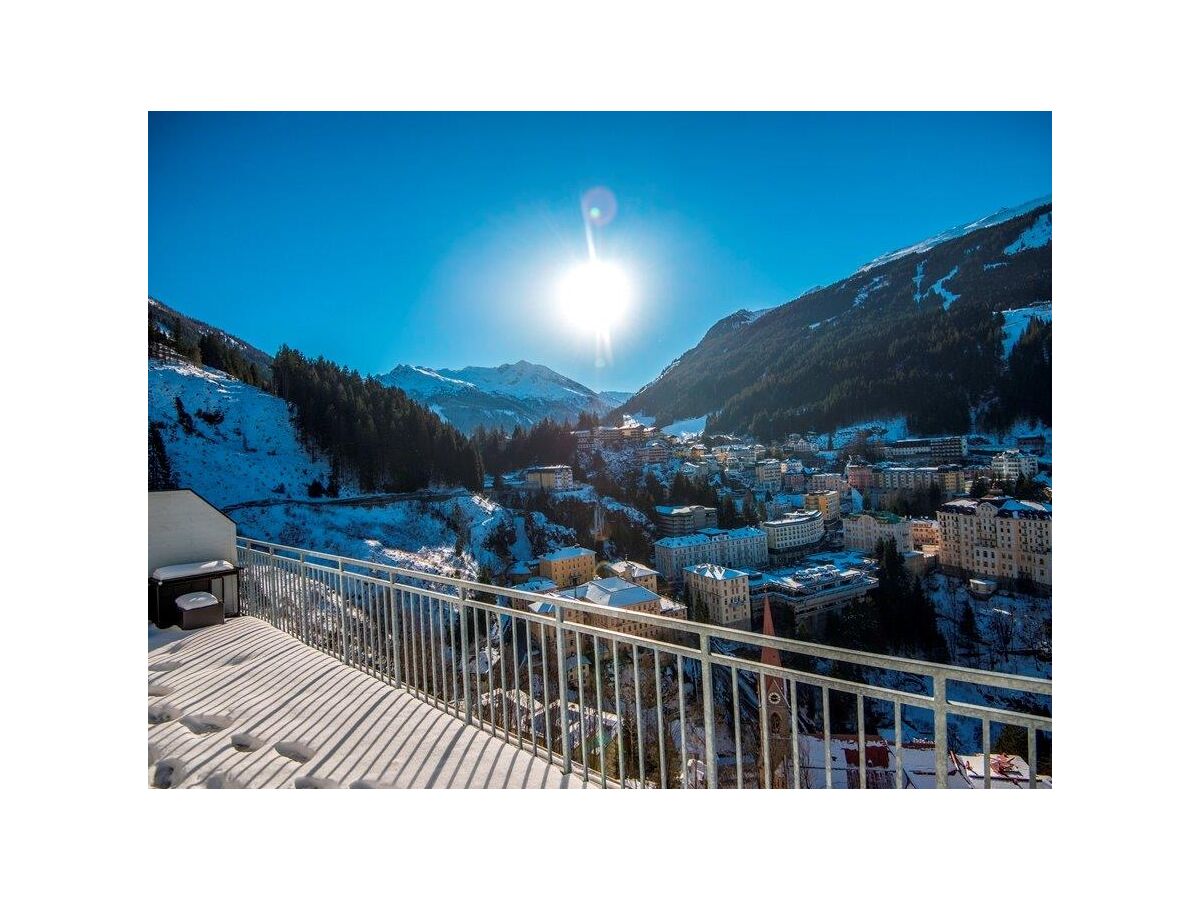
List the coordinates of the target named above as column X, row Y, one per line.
column 827, row 503
column 568, row 566
column 724, row 592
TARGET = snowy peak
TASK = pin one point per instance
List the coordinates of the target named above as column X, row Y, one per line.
column 1001, row 215
column 505, row 396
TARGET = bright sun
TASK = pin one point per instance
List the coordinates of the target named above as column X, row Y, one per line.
column 594, row 295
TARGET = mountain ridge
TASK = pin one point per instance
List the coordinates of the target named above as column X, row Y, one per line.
column 918, row 332
column 505, row 396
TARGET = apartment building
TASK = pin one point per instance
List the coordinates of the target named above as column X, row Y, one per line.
column 829, row 481
column 859, row 476
column 862, row 531
column 997, row 538
column 589, row 439
column 1012, row 464
column 675, row 521
column 768, row 475
column 925, row 533
column 653, row 452
column 550, row 478
column 797, row 443
column 736, row 548
column 949, row 477
column 940, row 449
column 827, row 503
column 613, row 593
column 568, row 566
column 633, row 572
column 793, row 533
column 724, row 592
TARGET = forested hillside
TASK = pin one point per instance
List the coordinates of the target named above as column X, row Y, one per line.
column 918, row 333
column 174, row 335
column 388, row 441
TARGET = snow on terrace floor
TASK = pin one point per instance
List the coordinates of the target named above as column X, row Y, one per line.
column 245, row 705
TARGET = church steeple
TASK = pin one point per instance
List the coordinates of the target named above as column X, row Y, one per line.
column 778, row 715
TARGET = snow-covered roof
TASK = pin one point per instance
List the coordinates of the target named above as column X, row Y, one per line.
column 567, row 553
column 714, row 571
column 193, row 570
column 536, row 585
column 615, row 592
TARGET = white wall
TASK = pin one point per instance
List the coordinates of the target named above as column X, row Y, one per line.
column 185, row 528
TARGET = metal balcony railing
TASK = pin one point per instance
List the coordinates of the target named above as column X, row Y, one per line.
column 695, row 707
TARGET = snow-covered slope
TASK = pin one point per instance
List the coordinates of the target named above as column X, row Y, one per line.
column 520, row 393
column 234, row 443
column 246, row 455
column 1001, row 215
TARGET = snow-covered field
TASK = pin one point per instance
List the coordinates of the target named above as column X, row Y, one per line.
column 1015, row 321
column 247, row 455
column 414, row 534
column 1036, row 235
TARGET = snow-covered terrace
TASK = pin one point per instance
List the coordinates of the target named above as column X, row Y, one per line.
column 244, row 704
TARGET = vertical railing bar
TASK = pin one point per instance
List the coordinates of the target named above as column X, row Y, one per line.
column 547, row 727
column 579, row 697
column 737, row 724
column 560, row 652
column 300, row 580
column 518, row 701
column 441, row 652
column 940, row 742
column 795, row 734
column 706, row 687
column 683, row 747
column 1032, row 736
column 637, row 705
column 899, row 744
column 462, row 644
column 596, row 667
column 475, row 654
column 662, row 745
column 426, row 657
column 491, row 677
column 764, row 737
column 828, row 737
column 454, row 659
column 862, row 743
column 395, row 630
column 503, row 672
column 617, row 705
column 987, row 752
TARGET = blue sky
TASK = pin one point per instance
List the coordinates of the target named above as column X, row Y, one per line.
column 439, row 239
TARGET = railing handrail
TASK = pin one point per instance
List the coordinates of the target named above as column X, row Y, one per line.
column 962, row 674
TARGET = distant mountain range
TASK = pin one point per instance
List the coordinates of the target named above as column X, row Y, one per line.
column 950, row 333
column 520, row 393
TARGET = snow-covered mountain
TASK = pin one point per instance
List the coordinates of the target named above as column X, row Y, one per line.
column 520, row 393
column 928, row 333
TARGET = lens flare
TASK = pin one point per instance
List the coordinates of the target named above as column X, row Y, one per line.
column 594, row 295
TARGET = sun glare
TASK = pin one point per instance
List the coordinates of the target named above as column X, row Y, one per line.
column 594, row 295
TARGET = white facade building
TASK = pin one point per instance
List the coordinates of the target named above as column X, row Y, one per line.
column 738, row 548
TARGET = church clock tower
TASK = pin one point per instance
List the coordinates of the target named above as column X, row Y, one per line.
column 777, row 715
